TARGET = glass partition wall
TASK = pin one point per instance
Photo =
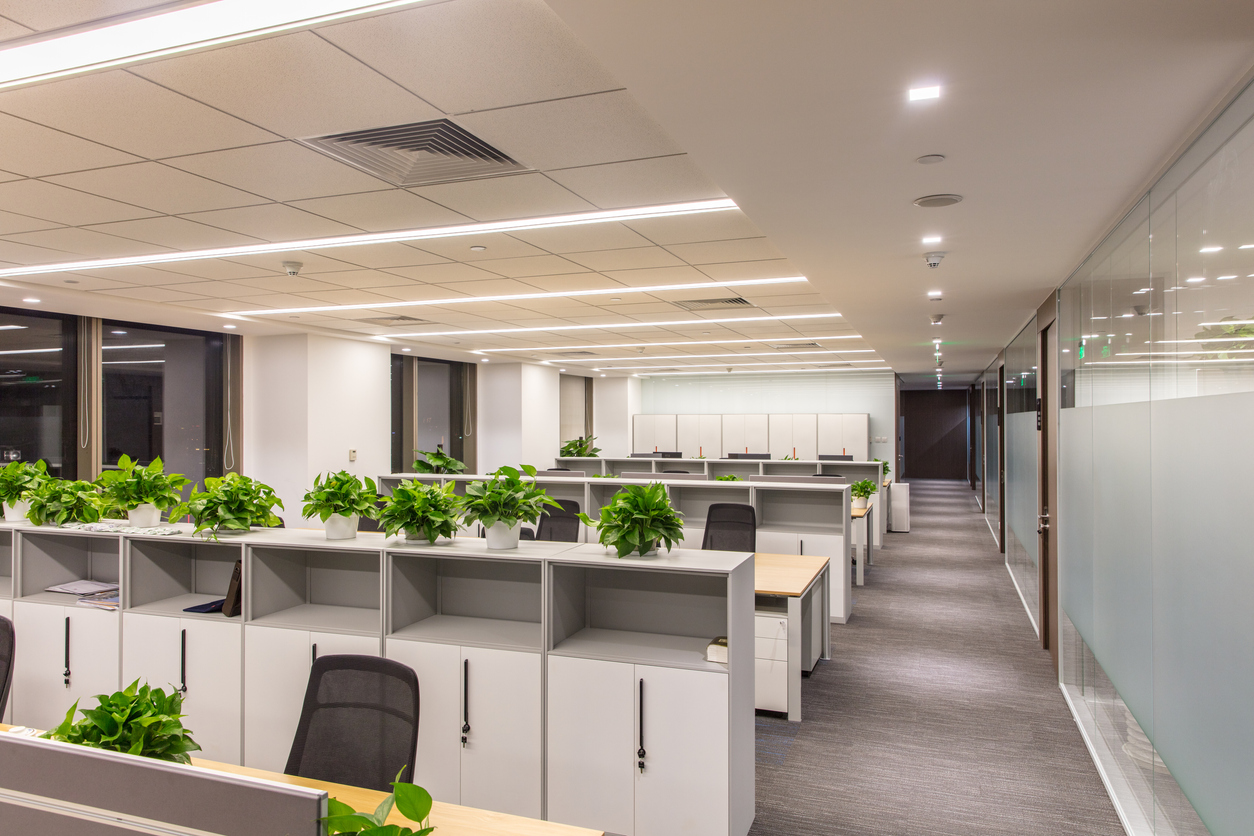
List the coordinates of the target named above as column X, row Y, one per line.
column 38, row 386
column 1019, row 399
column 992, row 450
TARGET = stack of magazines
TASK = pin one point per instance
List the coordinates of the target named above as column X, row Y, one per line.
column 102, row 595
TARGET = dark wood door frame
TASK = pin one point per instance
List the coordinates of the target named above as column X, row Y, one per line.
column 1047, row 472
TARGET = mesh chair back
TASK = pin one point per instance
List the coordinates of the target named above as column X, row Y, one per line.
column 359, row 723
column 366, row 524
column 730, row 527
column 6, row 660
column 560, row 525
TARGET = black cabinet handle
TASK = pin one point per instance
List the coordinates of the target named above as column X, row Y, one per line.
column 465, row 700
column 183, row 662
column 640, row 752
column 314, row 652
column 67, row 652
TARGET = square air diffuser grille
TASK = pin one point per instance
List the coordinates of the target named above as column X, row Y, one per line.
column 730, row 303
column 417, row 154
column 395, row 320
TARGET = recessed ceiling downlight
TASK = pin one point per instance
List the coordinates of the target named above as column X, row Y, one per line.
column 932, row 201
column 930, row 159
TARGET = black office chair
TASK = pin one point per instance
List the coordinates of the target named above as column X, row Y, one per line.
column 731, row 527
column 365, row 524
column 359, row 723
column 6, row 661
column 560, row 526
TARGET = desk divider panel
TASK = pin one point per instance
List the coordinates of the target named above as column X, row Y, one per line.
column 694, row 501
column 115, row 793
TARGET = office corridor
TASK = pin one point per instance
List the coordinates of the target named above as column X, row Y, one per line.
column 938, row 713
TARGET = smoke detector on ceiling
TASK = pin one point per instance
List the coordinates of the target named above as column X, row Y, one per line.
column 937, row 317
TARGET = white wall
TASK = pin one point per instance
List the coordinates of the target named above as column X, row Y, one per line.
column 572, row 407
column 308, row 400
column 541, row 414
column 519, row 415
column 614, row 401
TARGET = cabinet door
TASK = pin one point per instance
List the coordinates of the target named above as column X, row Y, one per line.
column 733, row 434
column 150, row 650
column 591, row 744
column 831, row 434
column 642, row 434
column 710, row 443
column 780, row 436
column 276, row 671
column 664, row 432
column 440, row 719
column 857, row 428
column 688, row 435
column 756, row 434
column 95, row 658
column 805, row 436
column 501, row 760
column 214, row 699
column 692, row 539
column 39, row 695
column 683, row 788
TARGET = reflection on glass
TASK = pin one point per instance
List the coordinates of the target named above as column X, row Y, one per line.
column 992, row 455
column 1021, row 467
column 162, row 397
column 38, row 391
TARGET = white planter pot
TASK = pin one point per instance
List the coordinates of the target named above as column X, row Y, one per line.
column 16, row 512
column 417, row 538
column 503, row 536
column 145, row 516
column 340, row 527
column 859, row 501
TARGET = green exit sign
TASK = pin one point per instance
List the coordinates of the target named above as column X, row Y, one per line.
column 32, row 378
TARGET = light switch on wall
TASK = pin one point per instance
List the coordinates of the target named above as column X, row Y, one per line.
column 352, row 455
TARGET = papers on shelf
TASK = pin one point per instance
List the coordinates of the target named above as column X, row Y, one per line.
column 84, row 587
column 123, row 527
column 101, row 600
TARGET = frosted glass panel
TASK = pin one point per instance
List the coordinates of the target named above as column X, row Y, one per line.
column 1021, row 467
column 992, row 455
column 1075, row 516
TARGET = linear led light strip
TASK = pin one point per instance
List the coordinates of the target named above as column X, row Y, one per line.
column 195, row 27
column 1185, row 353
column 729, row 363
column 1210, row 340
column 775, row 371
column 788, row 338
column 358, row 239
column 1156, row 362
column 730, row 356
column 611, row 326
column 105, row 347
column 518, row 297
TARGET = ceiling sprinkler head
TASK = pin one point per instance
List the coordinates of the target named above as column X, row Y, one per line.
column 933, row 259
column 292, row 267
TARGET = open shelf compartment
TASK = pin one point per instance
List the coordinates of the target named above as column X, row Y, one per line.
column 52, row 559
column 316, row 589
column 816, row 511
column 465, row 601
column 744, row 468
column 167, row 576
column 694, row 501
column 631, row 615
column 6, row 563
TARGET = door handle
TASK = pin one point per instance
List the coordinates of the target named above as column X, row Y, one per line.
column 465, row 701
column 640, row 753
column 183, row 662
column 314, row 652
column 1042, row 523
column 67, row 652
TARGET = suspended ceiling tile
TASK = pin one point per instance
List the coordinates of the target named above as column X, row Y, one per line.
column 495, row 287
column 175, row 233
column 772, row 269
column 580, row 131
column 272, row 222
column 151, row 294
column 365, row 279
column 41, row 15
column 56, row 203
column 310, row 262
column 74, row 281
column 11, row 223
column 281, row 284
column 10, row 29
column 414, row 292
column 281, row 171
column 722, row 252
column 584, row 238
column 221, row 268
column 158, row 187
column 639, row 182
column 145, row 276
column 346, row 297
column 666, row 275
column 278, row 300
column 577, row 281
column 496, row 245
column 220, row 290
column 556, row 307
column 629, row 259
column 17, row 253
column 312, row 88
column 33, row 150
column 443, row 273
column 686, row 229
column 214, row 305
column 539, row 265
column 639, row 308
column 382, row 211
column 129, row 113
column 85, row 242
column 378, row 256
column 475, row 54
column 502, row 198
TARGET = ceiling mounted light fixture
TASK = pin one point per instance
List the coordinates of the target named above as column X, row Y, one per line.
column 934, row 201
column 680, row 342
column 920, row 93
column 170, row 33
column 932, row 239
column 616, row 326
column 696, row 207
column 936, row 318
column 1210, row 249
column 930, row 159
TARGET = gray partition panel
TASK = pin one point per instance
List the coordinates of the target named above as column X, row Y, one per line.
column 803, row 478
column 69, row 790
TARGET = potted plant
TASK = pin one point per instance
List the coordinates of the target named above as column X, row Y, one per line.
column 637, row 519
column 887, row 470
column 142, row 492
column 340, row 500
column 61, row 501
column 580, row 448
column 502, row 502
column 861, row 491
column 728, row 477
column 411, row 800
column 230, row 504
column 17, row 480
column 435, row 461
column 138, row 720
column 424, row 512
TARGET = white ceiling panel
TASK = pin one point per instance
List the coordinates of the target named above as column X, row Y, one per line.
column 221, row 290
column 580, row 239
column 277, row 300
column 364, row 279
column 376, row 256
column 280, row 284
column 85, row 242
column 575, row 281
column 175, row 233
column 772, row 269
column 10, row 29
column 132, row 114
column 214, row 305
column 475, row 54
column 40, row 15
column 310, row 262
column 272, row 222
column 415, row 292
column 382, row 211
column 74, row 281
column 33, row 150
column 501, row 198
column 639, row 182
column 347, row 297
column 145, row 276
column 312, row 87
column 539, row 265
column 685, row 229
column 151, row 294
column 159, row 187
column 18, row 253
column 494, row 287
column 443, row 273
column 280, row 171
column 640, row 308
column 721, row 252
column 658, row 275
column 579, row 131
column 57, row 203
column 495, row 245
column 11, row 223
column 629, row 259
column 220, row 268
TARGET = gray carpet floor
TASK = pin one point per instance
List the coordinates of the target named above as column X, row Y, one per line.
column 938, row 712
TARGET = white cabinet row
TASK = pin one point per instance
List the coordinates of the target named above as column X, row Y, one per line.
column 797, row 436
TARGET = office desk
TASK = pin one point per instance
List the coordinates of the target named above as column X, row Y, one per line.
column 861, row 536
column 450, row 819
column 803, row 584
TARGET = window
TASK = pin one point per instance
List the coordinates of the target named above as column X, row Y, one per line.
column 38, row 390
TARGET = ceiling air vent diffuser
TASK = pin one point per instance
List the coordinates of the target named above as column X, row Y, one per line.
column 573, row 354
column 417, row 154
column 730, row 303
column 792, row 346
column 396, row 320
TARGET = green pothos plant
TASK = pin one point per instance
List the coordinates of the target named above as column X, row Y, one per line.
column 137, row 720
column 637, row 519
column 232, row 502
column 17, row 479
column 412, row 801
column 61, row 501
column 862, row 488
column 580, row 448
column 341, row 494
column 416, row 508
column 437, row 461
column 506, row 497
column 728, row 477
column 1229, row 335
